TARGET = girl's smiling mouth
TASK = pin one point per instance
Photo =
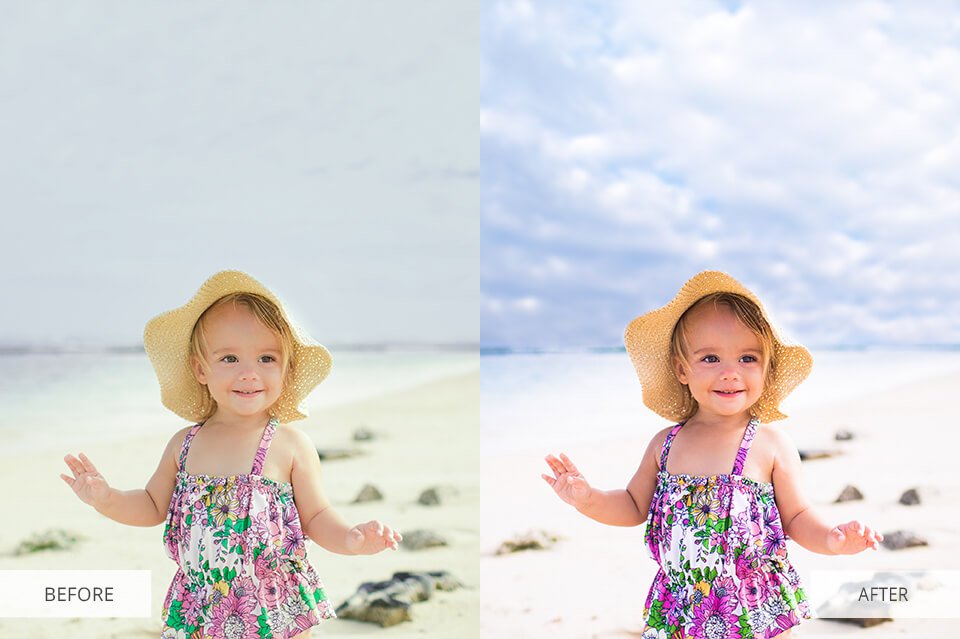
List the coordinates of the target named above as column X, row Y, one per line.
column 728, row 393
column 247, row 393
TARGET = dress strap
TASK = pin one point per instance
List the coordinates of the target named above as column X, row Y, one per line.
column 264, row 446
column 186, row 444
column 667, row 443
column 748, row 435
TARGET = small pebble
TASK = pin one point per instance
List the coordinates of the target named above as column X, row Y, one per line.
column 533, row 540
column 326, row 454
column 420, row 539
column 368, row 493
column 850, row 493
column 910, row 497
column 816, row 453
column 436, row 495
column 362, row 435
column 900, row 539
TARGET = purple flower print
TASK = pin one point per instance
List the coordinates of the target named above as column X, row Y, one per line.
column 724, row 587
column 270, row 592
column 774, row 540
column 752, row 591
column 714, row 619
column 787, row 619
column 292, row 540
column 233, row 618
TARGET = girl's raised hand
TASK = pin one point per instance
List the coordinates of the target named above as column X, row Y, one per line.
column 851, row 538
column 371, row 538
column 87, row 482
column 569, row 484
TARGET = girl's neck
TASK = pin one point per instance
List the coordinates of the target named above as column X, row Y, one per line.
column 237, row 423
column 719, row 422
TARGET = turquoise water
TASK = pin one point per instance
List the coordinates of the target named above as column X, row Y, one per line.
column 58, row 400
column 536, row 402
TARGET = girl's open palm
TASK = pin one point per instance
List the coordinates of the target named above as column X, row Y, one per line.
column 851, row 538
column 87, row 482
column 371, row 538
column 569, row 484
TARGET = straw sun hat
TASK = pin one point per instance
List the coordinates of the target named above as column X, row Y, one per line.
column 648, row 339
column 167, row 342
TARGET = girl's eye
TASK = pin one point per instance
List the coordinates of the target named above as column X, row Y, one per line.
column 269, row 358
column 710, row 359
column 748, row 358
column 227, row 357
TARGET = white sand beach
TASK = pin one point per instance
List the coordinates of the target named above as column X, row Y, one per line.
column 426, row 436
column 593, row 583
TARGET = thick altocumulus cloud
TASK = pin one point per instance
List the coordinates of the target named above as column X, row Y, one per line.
column 809, row 149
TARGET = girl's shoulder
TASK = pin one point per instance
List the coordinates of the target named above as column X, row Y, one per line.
column 171, row 454
column 656, row 444
column 773, row 441
column 291, row 441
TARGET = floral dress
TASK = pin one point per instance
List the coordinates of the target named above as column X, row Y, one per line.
column 724, row 572
column 243, row 570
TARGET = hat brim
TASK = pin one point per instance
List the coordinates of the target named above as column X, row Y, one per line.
column 166, row 340
column 647, row 339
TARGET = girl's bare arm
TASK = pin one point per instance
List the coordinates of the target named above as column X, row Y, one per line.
column 618, row 507
column 800, row 521
column 319, row 520
column 140, row 507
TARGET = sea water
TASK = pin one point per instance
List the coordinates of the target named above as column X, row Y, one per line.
column 537, row 401
column 59, row 400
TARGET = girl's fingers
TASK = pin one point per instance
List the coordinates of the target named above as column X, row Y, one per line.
column 74, row 464
column 549, row 480
column 570, row 467
column 555, row 465
column 68, row 480
column 88, row 465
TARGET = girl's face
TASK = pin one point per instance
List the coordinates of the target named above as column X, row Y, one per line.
column 245, row 374
column 724, row 369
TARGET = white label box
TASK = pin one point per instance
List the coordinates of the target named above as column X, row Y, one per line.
column 74, row 593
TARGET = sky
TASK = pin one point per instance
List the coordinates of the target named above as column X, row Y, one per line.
column 808, row 149
column 328, row 149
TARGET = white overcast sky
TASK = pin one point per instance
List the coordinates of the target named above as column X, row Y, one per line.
column 330, row 149
column 810, row 149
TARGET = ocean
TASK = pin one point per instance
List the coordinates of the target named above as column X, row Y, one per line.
column 65, row 400
column 535, row 402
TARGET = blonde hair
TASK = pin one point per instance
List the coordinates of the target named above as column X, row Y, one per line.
column 748, row 314
column 268, row 315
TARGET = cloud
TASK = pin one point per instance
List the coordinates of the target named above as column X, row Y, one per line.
column 805, row 148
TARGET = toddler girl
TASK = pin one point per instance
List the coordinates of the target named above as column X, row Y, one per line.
column 239, row 491
column 720, row 508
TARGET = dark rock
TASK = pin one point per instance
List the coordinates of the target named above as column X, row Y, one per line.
column 910, row 497
column 53, row 539
column 900, row 539
column 368, row 493
column 843, row 435
column 388, row 603
column 420, row 539
column 850, row 493
column 863, row 622
column 363, row 435
column 326, row 454
column 533, row 540
column 437, row 495
column 816, row 453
